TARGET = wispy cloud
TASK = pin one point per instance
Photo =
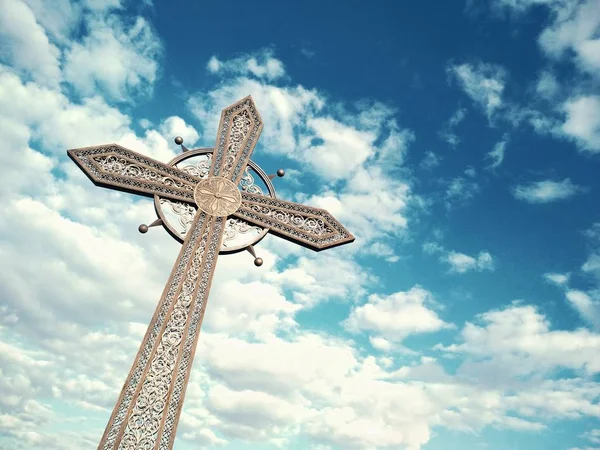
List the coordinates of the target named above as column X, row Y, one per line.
column 587, row 307
column 546, row 191
column 547, row 85
column 261, row 65
column 430, row 161
column 460, row 190
column 447, row 133
column 483, row 82
column 496, row 156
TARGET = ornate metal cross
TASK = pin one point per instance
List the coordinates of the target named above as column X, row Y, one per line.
column 217, row 198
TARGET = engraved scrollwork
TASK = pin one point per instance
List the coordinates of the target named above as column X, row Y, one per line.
column 180, row 215
column 236, row 227
column 201, row 168
column 141, row 430
column 247, row 183
column 239, row 130
column 312, row 225
column 126, row 168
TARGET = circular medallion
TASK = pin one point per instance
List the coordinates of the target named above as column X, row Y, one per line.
column 217, row 196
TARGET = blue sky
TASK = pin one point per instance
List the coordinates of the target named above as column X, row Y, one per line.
column 458, row 141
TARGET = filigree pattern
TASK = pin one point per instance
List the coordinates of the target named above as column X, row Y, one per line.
column 239, row 130
column 247, row 183
column 217, row 196
column 185, row 362
column 172, row 356
column 123, row 166
column 201, row 168
column 133, row 172
column 179, row 271
column 235, row 227
column 240, row 126
column 184, row 212
column 313, row 227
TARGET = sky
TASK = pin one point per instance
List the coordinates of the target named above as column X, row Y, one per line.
column 458, row 141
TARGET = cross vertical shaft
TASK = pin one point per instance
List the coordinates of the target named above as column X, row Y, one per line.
column 148, row 409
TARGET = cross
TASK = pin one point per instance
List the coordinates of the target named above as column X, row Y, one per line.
column 149, row 405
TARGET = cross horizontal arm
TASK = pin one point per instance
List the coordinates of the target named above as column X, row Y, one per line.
column 148, row 409
column 117, row 167
column 311, row 227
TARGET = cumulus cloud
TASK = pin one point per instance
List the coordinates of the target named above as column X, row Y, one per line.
column 119, row 58
column 518, row 341
column 461, row 263
column 396, row 316
column 582, row 122
column 27, row 45
column 546, row 191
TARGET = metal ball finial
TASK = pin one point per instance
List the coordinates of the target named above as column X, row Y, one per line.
column 258, row 262
column 179, row 140
column 280, row 173
column 143, row 228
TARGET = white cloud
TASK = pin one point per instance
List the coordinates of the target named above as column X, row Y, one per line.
column 132, row 49
column 583, row 122
column 175, row 126
column 461, row 263
column 559, row 279
column 588, row 308
column 546, row 191
column 593, row 436
column 483, row 82
column 518, row 341
column 261, row 65
column 383, row 250
column 324, row 276
column 27, row 46
column 575, row 28
column 396, row 316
